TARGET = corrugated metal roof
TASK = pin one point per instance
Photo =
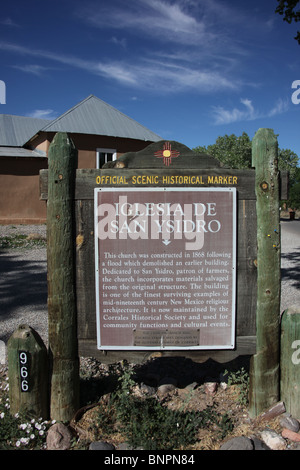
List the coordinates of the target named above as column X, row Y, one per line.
column 17, row 130
column 94, row 116
column 20, row 152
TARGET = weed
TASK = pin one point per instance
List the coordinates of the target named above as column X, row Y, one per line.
column 147, row 423
column 21, row 241
column 241, row 379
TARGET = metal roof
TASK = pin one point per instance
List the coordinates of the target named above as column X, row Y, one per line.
column 94, row 116
column 90, row 116
column 20, row 152
column 15, row 131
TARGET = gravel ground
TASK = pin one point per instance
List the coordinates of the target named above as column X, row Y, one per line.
column 23, row 284
column 23, row 279
column 290, row 264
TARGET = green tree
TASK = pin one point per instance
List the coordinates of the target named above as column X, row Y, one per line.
column 236, row 152
column 232, row 151
column 288, row 9
column 294, row 192
column 288, row 161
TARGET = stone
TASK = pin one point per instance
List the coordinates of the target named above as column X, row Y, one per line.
column 291, row 435
column 192, row 386
column 58, row 437
column 210, row 388
column 166, row 385
column 165, row 389
column 101, row 445
column 238, row 443
column 273, row 440
column 259, row 444
column 168, row 381
column 147, row 389
column 291, row 423
column 126, row 446
column 223, row 385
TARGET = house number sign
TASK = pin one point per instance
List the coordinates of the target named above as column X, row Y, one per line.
column 24, row 370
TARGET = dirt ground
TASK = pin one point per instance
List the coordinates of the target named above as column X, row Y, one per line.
column 224, row 398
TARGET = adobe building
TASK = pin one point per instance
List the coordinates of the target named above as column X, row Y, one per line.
column 100, row 133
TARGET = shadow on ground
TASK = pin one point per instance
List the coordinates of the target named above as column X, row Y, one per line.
column 23, row 284
column 292, row 272
column 177, row 370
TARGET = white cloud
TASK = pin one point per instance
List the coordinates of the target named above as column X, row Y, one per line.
column 8, row 22
column 203, row 24
column 43, row 114
column 146, row 74
column 191, row 49
column 280, row 107
column 119, row 42
column 248, row 113
column 115, row 71
column 166, row 21
column 225, row 116
column 195, row 46
column 33, row 69
column 176, row 77
column 194, row 43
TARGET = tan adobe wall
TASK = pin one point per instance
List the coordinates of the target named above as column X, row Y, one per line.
column 19, row 177
column 19, row 190
column 87, row 146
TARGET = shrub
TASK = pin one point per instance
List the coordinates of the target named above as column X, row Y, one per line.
column 147, row 423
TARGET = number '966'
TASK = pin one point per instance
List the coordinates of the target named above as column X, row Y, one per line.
column 24, row 370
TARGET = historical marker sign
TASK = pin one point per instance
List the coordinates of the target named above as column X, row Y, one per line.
column 165, row 268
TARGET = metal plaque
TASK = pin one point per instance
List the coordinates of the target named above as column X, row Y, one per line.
column 165, row 268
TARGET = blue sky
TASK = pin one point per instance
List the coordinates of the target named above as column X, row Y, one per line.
column 189, row 70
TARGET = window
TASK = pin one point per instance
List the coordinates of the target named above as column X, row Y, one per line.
column 105, row 156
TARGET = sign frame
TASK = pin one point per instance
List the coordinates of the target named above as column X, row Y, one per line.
column 161, row 346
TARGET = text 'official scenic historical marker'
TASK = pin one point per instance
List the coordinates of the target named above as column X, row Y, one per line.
column 165, row 268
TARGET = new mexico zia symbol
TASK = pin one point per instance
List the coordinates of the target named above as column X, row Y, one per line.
column 167, row 153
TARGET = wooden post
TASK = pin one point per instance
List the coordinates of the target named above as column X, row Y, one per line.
column 28, row 373
column 264, row 371
column 290, row 360
column 63, row 348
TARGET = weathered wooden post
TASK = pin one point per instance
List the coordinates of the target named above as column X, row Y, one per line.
column 264, row 372
column 290, row 360
column 28, row 373
column 63, row 349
